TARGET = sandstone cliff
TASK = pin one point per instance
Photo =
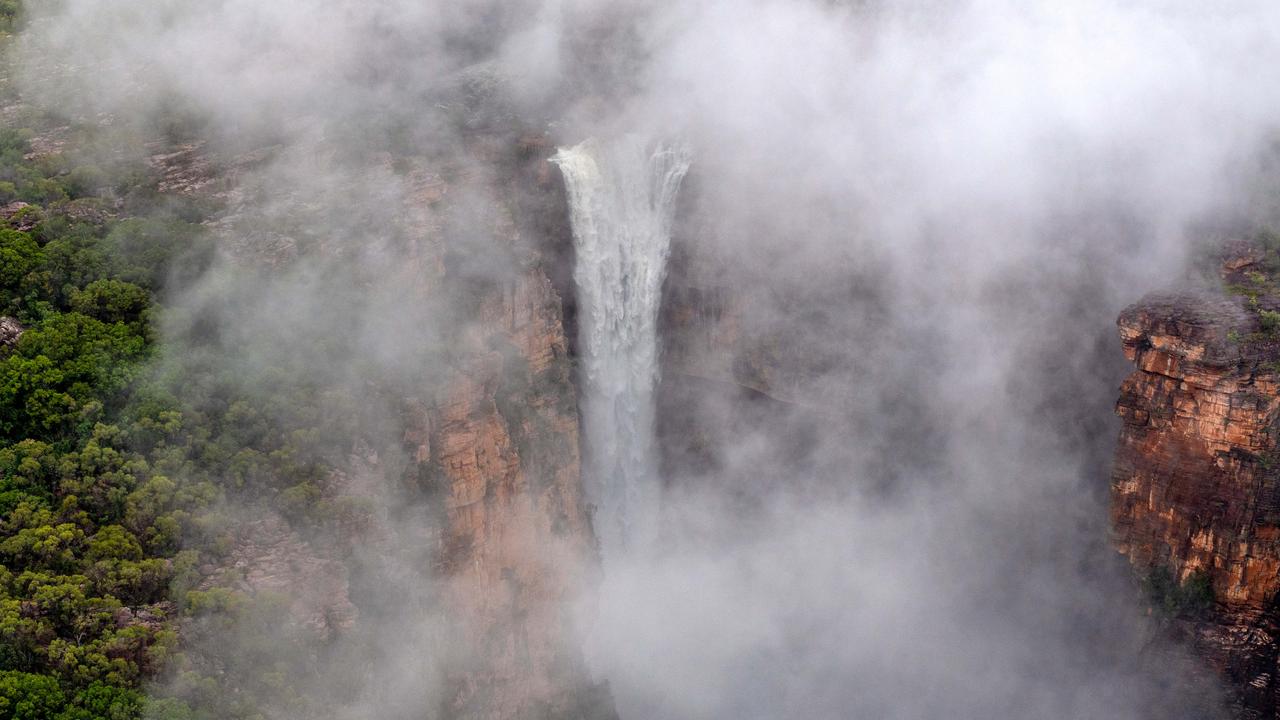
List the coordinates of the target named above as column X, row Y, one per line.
column 479, row 499
column 503, row 437
column 1196, row 483
column 516, row 542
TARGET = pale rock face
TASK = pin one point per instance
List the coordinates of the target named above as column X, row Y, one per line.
column 10, row 214
column 269, row 557
column 10, row 331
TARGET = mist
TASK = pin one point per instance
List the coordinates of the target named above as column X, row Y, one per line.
column 918, row 221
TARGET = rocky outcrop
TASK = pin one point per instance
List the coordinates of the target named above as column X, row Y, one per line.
column 1196, row 482
column 10, row 331
column 269, row 558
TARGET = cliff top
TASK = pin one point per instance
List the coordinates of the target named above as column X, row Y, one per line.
column 1237, row 323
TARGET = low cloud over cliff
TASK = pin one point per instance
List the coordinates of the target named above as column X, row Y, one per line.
column 898, row 258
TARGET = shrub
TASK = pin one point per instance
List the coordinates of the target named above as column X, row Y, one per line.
column 111, row 301
column 1270, row 320
column 10, row 14
column 24, row 696
column 1191, row 599
column 153, row 251
column 85, row 180
column 19, row 256
column 14, row 143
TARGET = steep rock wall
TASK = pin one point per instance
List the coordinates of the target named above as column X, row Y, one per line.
column 497, row 446
column 490, row 443
column 1195, row 487
column 516, row 541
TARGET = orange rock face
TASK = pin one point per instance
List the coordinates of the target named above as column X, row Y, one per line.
column 501, row 441
column 516, row 540
column 1195, row 485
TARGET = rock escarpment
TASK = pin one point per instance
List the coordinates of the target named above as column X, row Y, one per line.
column 471, row 499
column 495, row 446
column 1196, row 482
column 503, row 445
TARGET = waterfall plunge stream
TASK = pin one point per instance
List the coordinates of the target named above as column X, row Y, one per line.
column 621, row 200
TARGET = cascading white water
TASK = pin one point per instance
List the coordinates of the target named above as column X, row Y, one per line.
column 621, row 201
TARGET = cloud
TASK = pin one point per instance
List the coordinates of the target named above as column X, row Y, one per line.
column 923, row 218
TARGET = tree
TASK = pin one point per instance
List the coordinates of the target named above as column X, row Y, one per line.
column 20, row 255
column 111, row 301
column 24, row 696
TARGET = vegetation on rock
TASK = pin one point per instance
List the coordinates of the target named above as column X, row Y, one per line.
column 1191, row 599
column 115, row 452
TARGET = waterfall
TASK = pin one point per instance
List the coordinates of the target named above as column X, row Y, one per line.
column 622, row 199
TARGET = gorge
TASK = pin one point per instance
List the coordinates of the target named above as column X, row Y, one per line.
column 341, row 378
